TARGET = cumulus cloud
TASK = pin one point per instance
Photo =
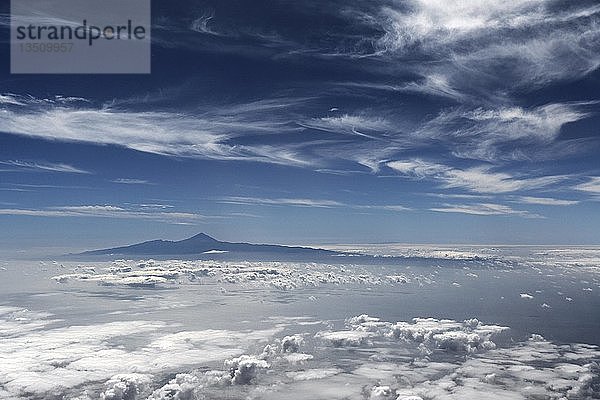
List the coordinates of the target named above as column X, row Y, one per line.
column 435, row 358
column 346, row 338
column 291, row 343
column 425, row 357
column 38, row 362
column 279, row 275
column 181, row 387
column 244, row 369
column 126, row 387
column 382, row 393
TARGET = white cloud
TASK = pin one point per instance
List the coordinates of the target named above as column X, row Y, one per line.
column 542, row 122
column 430, row 22
column 591, row 186
column 483, row 209
column 209, row 135
column 312, row 374
column 386, row 207
column 126, row 386
column 42, row 166
column 281, row 201
column 541, row 43
column 182, row 387
column 279, row 275
column 479, row 179
column 483, row 180
column 359, row 125
column 38, row 363
column 433, row 84
column 291, row 343
column 459, row 196
column 418, row 168
column 202, row 24
column 9, row 98
column 546, row 201
column 318, row 203
column 245, row 368
column 420, row 358
column 129, row 181
column 346, row 338
column 105, row 211
column 504, row 133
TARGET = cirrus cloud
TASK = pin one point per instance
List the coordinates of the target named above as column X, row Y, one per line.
column 479, row 179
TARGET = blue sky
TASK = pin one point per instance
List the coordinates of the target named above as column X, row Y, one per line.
column 412, row 121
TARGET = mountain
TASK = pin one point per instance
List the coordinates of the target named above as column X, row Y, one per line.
column 202, row 243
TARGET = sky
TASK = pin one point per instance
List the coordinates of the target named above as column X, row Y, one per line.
column 308, row 122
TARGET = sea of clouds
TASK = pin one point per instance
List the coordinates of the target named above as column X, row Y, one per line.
column 185, row 330
column 362, row 357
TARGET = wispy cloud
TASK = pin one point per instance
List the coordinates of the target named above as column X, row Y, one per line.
column 282, row 201
column 431, row 23
column 591, row 186
column 433, row 84
column 129, row 181
column 269, row 131
column 13, row 99
column 480, row 179
column 484, row 209
column 202, row 24
column 541, row 42
column 459, row 196
column 384, row 207
column 9, row 98
column 107, row 211
column 47, row 186
column 503, row 133
column 546, row 201
column 358, row 125
column 212, row 134
column 315, row 203
column 483, row 180
column 44, row 166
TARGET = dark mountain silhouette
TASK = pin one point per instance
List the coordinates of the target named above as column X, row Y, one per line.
column 202, row 243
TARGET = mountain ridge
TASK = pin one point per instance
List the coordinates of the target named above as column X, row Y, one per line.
column 202, row 243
